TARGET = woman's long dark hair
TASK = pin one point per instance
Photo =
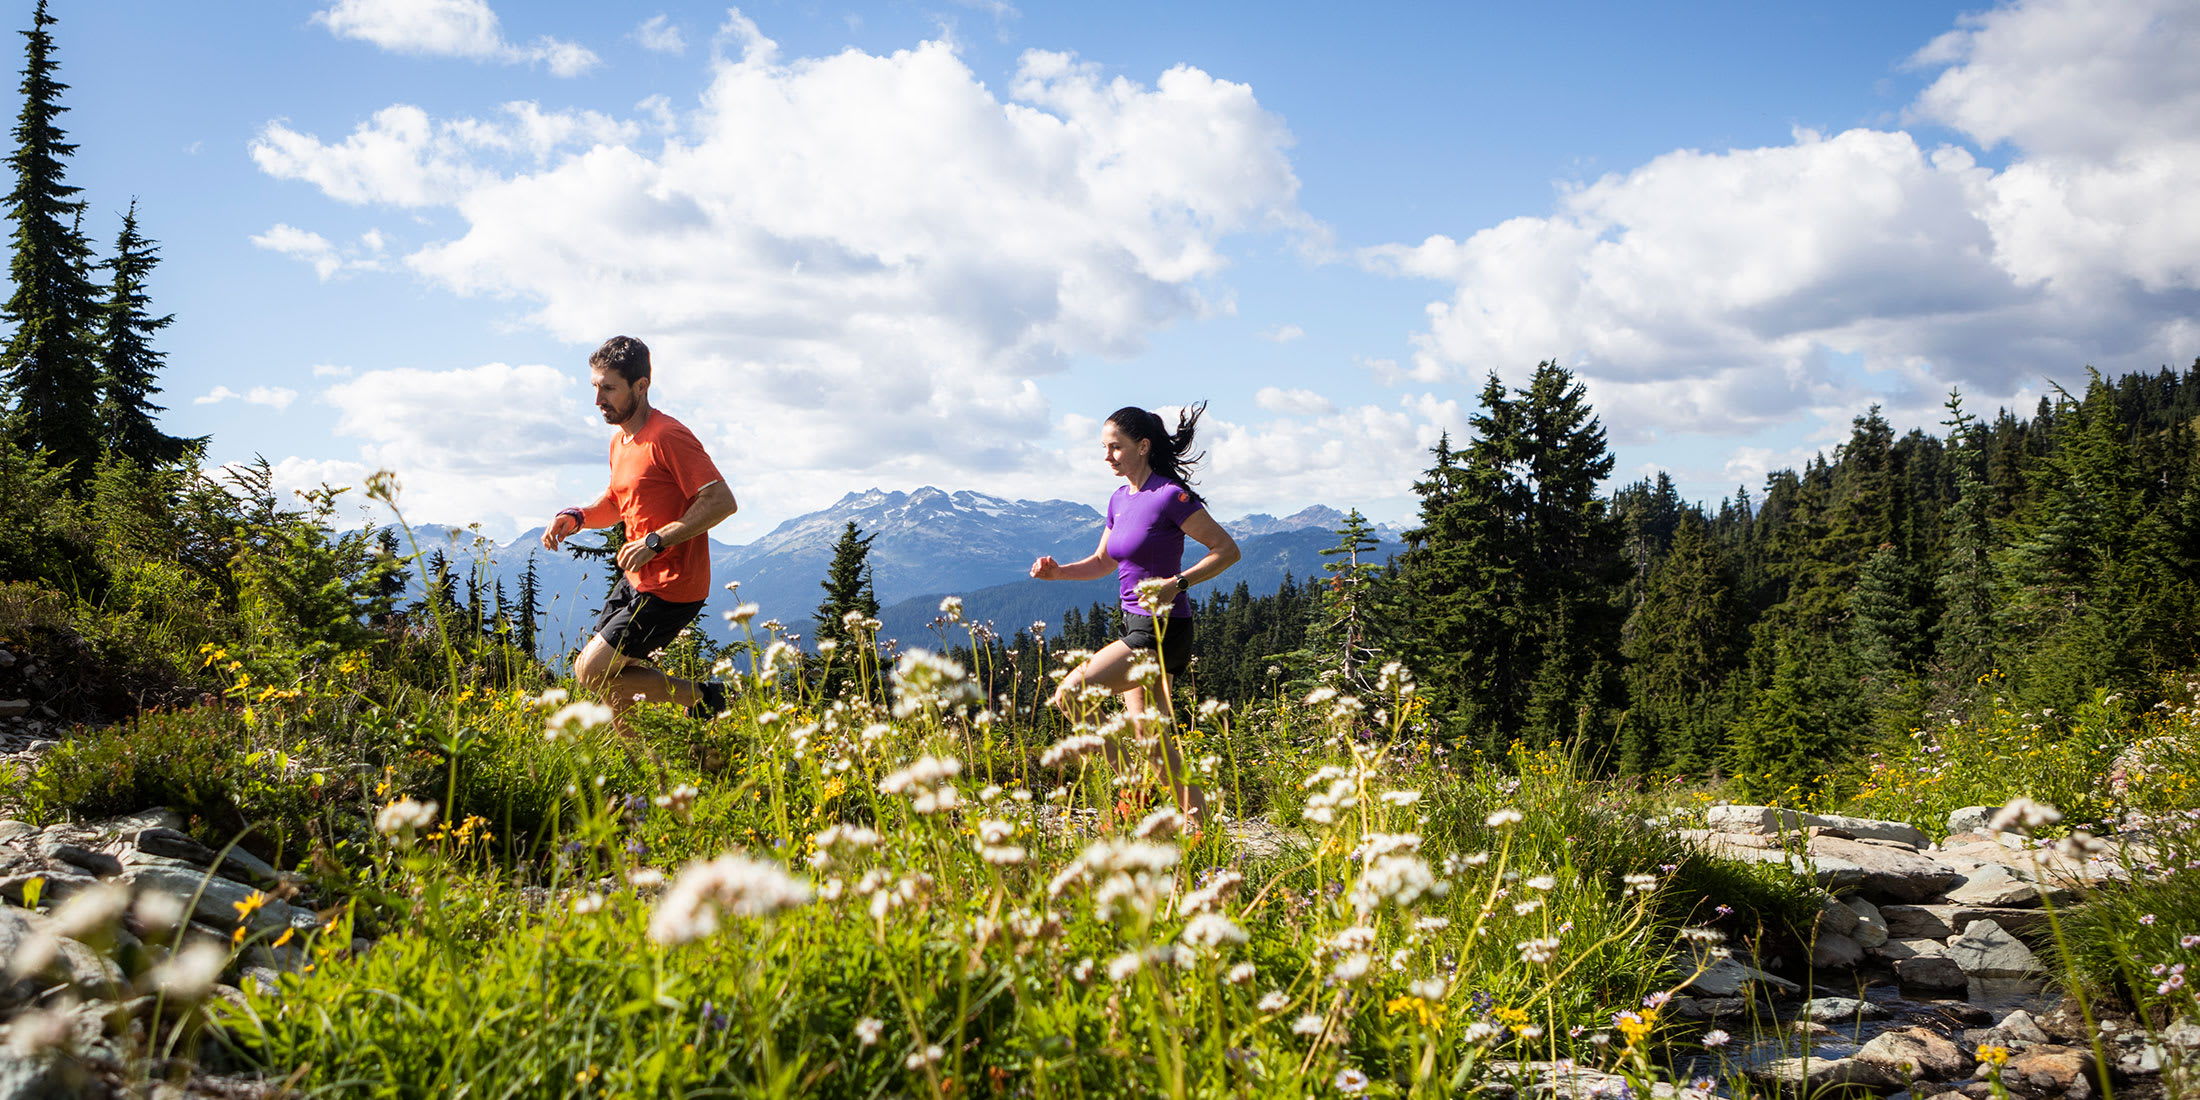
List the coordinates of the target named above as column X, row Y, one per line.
column 1170, row 456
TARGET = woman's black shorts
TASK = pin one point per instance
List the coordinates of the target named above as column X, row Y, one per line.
column 637, row 624
column 1175, row 642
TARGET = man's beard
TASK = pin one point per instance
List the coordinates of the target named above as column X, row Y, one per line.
column 620, row 416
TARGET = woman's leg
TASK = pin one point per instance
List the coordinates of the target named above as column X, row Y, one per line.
column 1111, row 669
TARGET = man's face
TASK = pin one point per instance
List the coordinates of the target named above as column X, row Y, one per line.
column 616, row 398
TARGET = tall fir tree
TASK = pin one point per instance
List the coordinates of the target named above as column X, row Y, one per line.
column 1507, row 602
column 48, row 369
column 1345, row 604
column 1967, row 644
column 128, row 363
column 528, row 607
column 847, row 585
column 1679, row 646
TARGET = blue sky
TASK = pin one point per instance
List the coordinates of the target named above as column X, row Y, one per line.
column 932, row 243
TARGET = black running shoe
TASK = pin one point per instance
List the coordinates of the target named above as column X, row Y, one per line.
column 713, row 701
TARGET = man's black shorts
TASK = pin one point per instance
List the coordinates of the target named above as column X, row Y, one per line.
column 1175, row 642
column 637, row 624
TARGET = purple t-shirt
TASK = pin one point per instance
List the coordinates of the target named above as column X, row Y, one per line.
column 1146, row 538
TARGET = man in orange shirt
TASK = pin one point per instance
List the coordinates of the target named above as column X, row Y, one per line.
column 669, row 493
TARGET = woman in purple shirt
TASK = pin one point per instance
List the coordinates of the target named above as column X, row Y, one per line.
column 1148, row 519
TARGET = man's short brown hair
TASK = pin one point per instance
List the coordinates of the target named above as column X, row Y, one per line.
column 624, row 354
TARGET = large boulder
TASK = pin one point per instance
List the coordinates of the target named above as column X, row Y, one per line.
column 1984, row 950
column 1834, row 951
column 1994, row 884
column 1917, row 1053
column 1889, row 873
column 1730, row 977
column 2051, row 1072
column 220, row 901
column 1759, row 819
column 1930, row 973
column 1871, row 925
column 1807, row 1076
column 1971, row 819
column 1916, row 922
column 1866, row 828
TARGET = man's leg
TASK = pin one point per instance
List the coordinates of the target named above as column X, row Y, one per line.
column 624, row 681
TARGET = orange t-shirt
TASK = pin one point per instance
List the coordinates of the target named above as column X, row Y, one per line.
column 655, row 474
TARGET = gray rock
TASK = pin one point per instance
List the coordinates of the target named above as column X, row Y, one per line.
column 76, row 855
column 48, row 1075
column 1834, row 915
column 1898, row 950
column 2050, row 1071
column 2019, row 1029
column 1871, row 924
column 217, row 899
column 14, row 708
column 1865, row 828
column 1732, row 977
column 11, row 829
column 1758, row 819
column 159, row 817
column 1985, row 951
column 1808, row 1076
column 1840, row 1010
column 1971, row 819
column 1933, row 972
column 2029, row 925
column 173, row 844
column 1891, row 873
column 1834, row 951
column 54, row 886
column 1995, row 885
column 1917, row 1053
column 1916, row 922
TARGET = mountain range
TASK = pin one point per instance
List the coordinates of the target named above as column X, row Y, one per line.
column 925, row 545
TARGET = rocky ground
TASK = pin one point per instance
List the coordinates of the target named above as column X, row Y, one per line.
column 1924, row 952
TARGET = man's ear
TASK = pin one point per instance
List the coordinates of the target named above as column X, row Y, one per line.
column 641, row 388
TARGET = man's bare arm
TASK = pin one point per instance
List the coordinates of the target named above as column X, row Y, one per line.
column 603, row 511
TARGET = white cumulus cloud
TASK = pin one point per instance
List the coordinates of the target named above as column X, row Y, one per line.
column 1283, row 334
column 850, row 266
column 1723, row 291
column 660, row 34
column 1293, row 402
column 274, row 397
column 327, row 259
column 448, row 28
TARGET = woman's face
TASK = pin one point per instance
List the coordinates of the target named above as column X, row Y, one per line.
column 1125, row 455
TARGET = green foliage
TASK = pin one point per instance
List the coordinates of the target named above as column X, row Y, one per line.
column 1999, row 754
column 206, row 763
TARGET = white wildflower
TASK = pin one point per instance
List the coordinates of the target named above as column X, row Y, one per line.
column 1505, row 817
column 733, row 882
column 1352, row 967
column 1539, row 951
column 868, row 1030
column 401, row 819
column 1212, row 930
column 1240, row 974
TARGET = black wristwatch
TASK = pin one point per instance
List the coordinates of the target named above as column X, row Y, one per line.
column 1182, row 585
column 654, row 541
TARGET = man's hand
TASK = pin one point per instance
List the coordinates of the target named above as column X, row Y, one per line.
column 1046, row 568
column 634, row 555
column 561, row 525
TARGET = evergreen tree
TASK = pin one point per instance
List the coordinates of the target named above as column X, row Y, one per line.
column 847, row 586
column 1344, row 600
column 128, row 363
column 1967, row 640
column 1507, row 600
column 47, row 369
column 528, row 607
column 1679, row 646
